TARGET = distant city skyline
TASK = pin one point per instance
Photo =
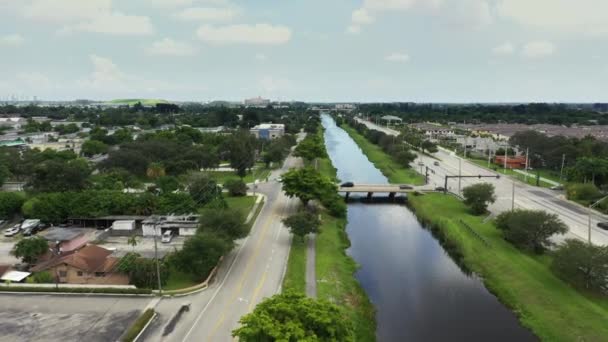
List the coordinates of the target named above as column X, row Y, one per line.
column 450, row 51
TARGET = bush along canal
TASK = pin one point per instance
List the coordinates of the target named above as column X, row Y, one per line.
column 419, row 292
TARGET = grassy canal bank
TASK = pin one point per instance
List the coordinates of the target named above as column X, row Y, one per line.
column 545, row 304
column 383, row 162
column 335, row 270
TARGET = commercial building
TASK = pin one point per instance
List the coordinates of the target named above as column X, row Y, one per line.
column 180, row 225
column 257, row 102
column 268, row 131
column 517, row 162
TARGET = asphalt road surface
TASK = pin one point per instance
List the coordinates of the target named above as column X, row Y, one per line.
column 252, row 272
column 526, row 196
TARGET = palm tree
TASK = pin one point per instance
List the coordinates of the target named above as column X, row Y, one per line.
column 132, row 241
column 155, row 170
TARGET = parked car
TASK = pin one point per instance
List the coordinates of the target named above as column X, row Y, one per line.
column 436, row 163
column 347, row 185
column 29, row 224
column 167, row 236
column 439, row 188
column 12, row 231
column 405, row 187
column 603, row 225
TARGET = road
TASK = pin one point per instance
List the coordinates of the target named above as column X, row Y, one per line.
column 252, row 272
column 526, row 196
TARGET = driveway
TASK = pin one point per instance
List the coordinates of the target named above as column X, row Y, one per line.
column 145, row 245
column 26, row 317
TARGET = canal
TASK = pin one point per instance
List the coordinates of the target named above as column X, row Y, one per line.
column 419, row 292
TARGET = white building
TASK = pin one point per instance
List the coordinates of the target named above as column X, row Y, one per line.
column 268, row 131
column 345, row 107
column 257, row 102
column 182, row 225
column 14, row 122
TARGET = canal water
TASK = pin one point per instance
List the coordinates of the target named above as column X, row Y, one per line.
column 419, row 292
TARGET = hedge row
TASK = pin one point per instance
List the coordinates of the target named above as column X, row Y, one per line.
column 74, row 290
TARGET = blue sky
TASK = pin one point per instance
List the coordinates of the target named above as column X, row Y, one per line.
column 336, row 50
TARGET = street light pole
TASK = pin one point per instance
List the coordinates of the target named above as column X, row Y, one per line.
column 513, row 197
column 160, row 289
column 459, row 173
column 561, row 171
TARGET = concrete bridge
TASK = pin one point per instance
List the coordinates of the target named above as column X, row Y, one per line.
column 391, row 189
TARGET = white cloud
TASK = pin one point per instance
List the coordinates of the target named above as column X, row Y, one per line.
column 564, row 16
column 117, row 24
column 362, row 17
column 105, row 73
column 180, row 3
column 248, row 34
column 397, row 57
column 353, row 29
column 11, row 40
column 170, row 47
column 538, row 49
column 272, row 85
column 207, row 14
column 90, row 16
column 505, row 48
column 260, row 57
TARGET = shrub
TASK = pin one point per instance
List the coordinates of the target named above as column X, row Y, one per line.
column 10, row 203
column 478, row 196
column 530, row 229
column 582, row 264
column 582, row 192
column 43, row 278
column 235, row 187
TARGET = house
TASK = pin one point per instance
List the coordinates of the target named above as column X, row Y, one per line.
column 66, row 240
column 182, row 225
column 268, row 131
column 434, row 131
column 89, row 265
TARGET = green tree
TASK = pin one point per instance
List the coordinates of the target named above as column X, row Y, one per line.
column 203, row 188
column 10, row 203
column 429, row 146
column 29, row 250
column 167, row 184
column 530, row 229
column 227, row 222
column 302, row 223
column 294, row 317
column 240, row 149
column 143, row 272
column 479, row 196
column 200, row 254
column 305, row 184
column 235, row 187
column 582, row 264
column 132, row 241
column 176, row 203
column 43, row 278
column 310, row 148
column 5, row 173
column 56, row 175
column 93, row 147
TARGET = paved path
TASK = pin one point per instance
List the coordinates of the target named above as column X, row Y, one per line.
column 311, row 272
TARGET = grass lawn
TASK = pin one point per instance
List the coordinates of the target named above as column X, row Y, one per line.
column 336, row 281
column 222, row 176
column 241, row 203
column 295, row 277
column 395, row 173
column 551, row 308
column 178, row 280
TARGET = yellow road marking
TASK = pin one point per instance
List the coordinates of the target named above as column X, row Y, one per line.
column 242, row 280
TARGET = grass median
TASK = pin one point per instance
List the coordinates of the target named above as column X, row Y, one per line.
column 295, row 277
column 551, row 308
column 395, row 173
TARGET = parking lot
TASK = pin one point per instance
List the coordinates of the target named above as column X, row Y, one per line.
column 67, row 318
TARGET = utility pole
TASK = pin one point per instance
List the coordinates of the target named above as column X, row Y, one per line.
column 506, row 148
column 590, row 211
column 526, row 176
column 160, row 289
column 489, row 156
column 513, row 197
column 561, row 172
column 459, row 174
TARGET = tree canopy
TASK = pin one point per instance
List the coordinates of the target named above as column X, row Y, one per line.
column 294, row 317
column 530, row 229
column 582, row 264
column 302, row 223
column 479, row 196
column 30, row 249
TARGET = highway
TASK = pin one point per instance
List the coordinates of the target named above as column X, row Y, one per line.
column 252, row 272
column 526, row 196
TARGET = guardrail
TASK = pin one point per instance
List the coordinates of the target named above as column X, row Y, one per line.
column 470, row 229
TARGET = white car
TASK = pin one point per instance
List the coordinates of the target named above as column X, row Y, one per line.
column 166, row 237
column 12, row 231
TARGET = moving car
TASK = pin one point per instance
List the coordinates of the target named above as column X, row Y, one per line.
column 12, row 231
column 167, row 236
column 439, row 188
column 347, row 185
column 557, row 187
column 436, row 163
column 405, row 187
column 603, row 225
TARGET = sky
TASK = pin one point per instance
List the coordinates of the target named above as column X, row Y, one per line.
column 308, row 50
